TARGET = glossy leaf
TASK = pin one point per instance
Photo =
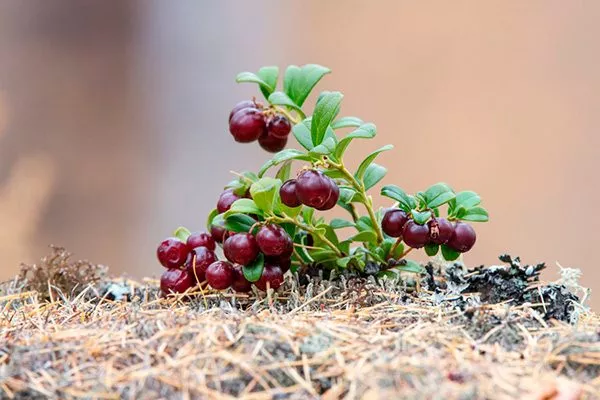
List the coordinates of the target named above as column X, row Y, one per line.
column 239, row 223
column 362, row 168
column 263, row 193
column 282, row 99
column 431, row 249
column 411, row 266
column 302, row 133
column 283, row 156
column 326, row 109
column 365, row 236
column 406, row 202
column 373, row 175
column 475, row 214
column 421, row 217
column 338, row 223
column 438, row 194
column 365, row 131
column 449, row 254
column 298, row 82
column 253, row 271
column 269, row 75
column 346, row 122
column 182, row 233
column 209, row 220
column 245, row 206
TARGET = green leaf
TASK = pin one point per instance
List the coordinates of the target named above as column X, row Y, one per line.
column 438, row 194
column 283, row 173
column 264, row 86
column 244, row 206
column 282, row 99
column 209, row 220
column 298, row 82
column 325, row 148
column 362, row 168
column 302, row 134
column 344, row 261
column 263, row 192
column 346, row 122
column 326, row 109
column 421, row 217
column 476, row 214
column 283, row 156
column 338, row 223
column 431, row 249
column 466, row 199
column 269, row 75
column 239, row 223
column 373, row 175
column 364, row 223
column 411, row 266
column 253, row 271
column 365, row 236
column 307, row 214
column 406, row 202
column 322, row 255
column 449, row 254
column 182, row 233
column 365, row 131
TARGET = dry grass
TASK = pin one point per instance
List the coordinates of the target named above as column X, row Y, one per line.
column 343, row 340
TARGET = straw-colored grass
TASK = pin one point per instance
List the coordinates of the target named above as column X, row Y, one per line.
column 331, row 340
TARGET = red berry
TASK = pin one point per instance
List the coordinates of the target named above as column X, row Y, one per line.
column 243, row 104
column 288, row 194
column 415, row 235
column 279, row 127
column 175, row 281
column 241, row 248
column 393, row 221
column 201, row 258
column 273, row 240
column 218, row 233
column 284, row 262
column 463, row 238
column 335, row 195
column 273, row 274
column 271, row 143
column 172, row 253
column 240, row 284
column 313, row 188
column 198, row 239
column 226, row 199
column 247, row 125
column 440, row 230
column 219, row 275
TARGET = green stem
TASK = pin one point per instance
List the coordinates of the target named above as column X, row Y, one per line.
column 309, row 229
column 287, row 114
column 366, row 199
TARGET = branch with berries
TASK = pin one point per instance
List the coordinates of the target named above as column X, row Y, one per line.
column 269, row 225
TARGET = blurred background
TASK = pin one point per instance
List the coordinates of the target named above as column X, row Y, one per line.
column 113, row 115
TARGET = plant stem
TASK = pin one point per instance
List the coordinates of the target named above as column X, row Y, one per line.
column 287, row 114
column 366, row 199
column 310, row 230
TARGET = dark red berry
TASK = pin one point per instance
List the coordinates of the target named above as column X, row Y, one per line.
column 247, row 125
column 240, row 284
column 284, row 262
column 313, row 188
column 393, row 221
column 288, row 194
column 273, row 240
column 240, row 248
column 226, row 199
column 463, row 238
column 271, row 143
column 415, row 235
column 440, row 230
column 198, row 260
column 243, row 104
column 175, row 281
column 198, row 239
column 219, row 275
column 273, row 274
column 218, row 233
column 333, row 198
column 172, row 253
column 279, row 127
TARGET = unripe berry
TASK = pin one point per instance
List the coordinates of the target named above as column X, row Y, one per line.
column 393, row 222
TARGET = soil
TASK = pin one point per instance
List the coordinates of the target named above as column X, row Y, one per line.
column 487, row 332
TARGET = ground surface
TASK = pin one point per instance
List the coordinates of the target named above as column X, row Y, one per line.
column 350, row 339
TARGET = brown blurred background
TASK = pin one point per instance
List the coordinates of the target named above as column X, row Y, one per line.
column 113, row 115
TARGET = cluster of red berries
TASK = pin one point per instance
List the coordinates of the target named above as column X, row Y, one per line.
column 459, row 236
column 312, row 188
column 248, row 121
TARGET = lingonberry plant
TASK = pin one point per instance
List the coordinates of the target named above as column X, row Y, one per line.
column 268, row 225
